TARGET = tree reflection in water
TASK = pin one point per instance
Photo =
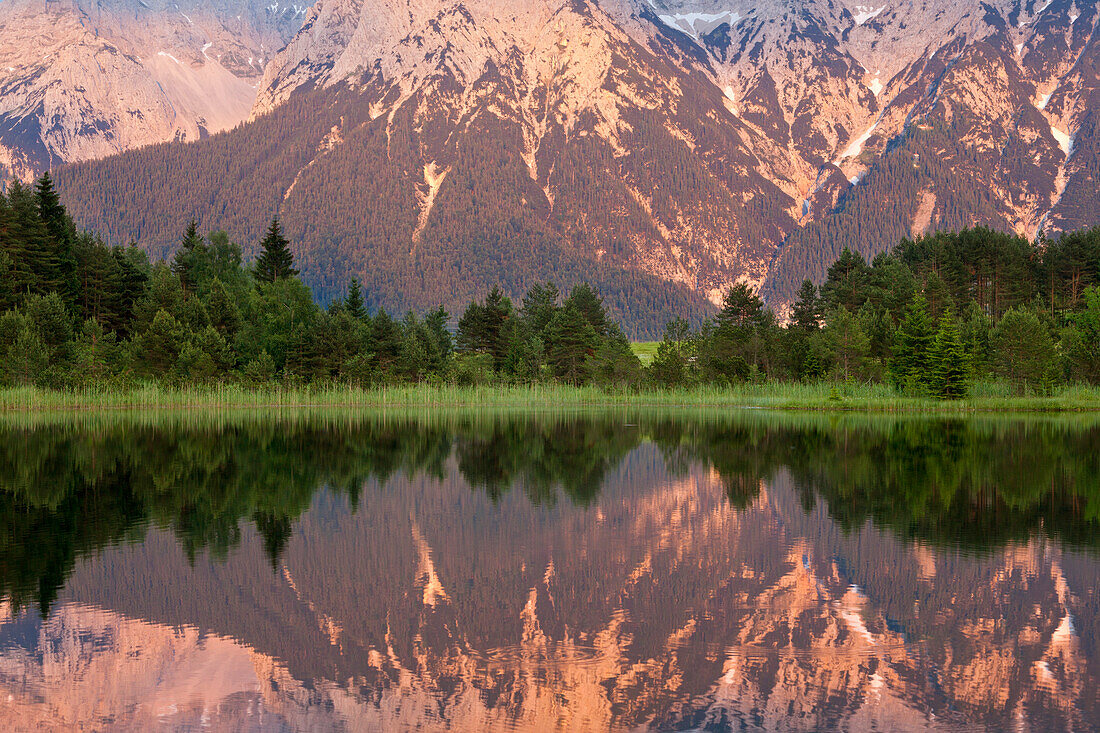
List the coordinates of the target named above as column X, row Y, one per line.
column 618, row 569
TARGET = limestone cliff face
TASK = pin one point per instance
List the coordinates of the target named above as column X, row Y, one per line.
column 587, row 102
column 694, row 142
column 794, row 102
column 82, row 80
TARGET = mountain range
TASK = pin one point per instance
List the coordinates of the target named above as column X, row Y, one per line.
column 661, row 149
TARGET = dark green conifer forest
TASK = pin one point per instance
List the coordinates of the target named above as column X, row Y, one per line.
column 931, row 317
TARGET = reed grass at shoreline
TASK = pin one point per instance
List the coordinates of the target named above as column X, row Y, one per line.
column 780, row 396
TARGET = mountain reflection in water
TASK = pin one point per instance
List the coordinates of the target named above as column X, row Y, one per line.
column 608, row 571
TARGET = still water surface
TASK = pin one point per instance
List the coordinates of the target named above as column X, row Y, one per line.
column 587, row 572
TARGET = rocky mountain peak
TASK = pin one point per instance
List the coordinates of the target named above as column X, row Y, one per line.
column 81, row 79
column 693, row 143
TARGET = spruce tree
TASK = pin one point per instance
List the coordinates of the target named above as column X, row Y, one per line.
column 806, row 312
column 539, row 307
column 185, row 261
column 37, row 265
column 947, row 361
column 1023, row 350
column 386, row 337
column 276, row 261
column 909, row 366
column 221, row 311
column 571, row 340
column 846, row 283
column 353, row 302
column 741, row 310
column 471, row 329
column 590, row 305
column 56, row 221
column 49, row 207
column 847, row 341
column 439, row 339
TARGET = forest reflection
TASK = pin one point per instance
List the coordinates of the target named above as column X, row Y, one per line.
column 71, row 488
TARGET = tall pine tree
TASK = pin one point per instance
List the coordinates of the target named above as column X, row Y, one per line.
column 353, row 302
column 61, row 235
column 38, row 267
column 185, row 262
column 909, row 367
column 806, row 312
column 50, row 208
column 275, row 262
column 947, row 361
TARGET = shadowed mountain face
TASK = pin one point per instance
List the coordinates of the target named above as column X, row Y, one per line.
column 664, row 149
column 591, row 573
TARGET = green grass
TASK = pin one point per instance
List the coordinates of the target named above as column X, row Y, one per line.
column 646, row 351
column 821, row 397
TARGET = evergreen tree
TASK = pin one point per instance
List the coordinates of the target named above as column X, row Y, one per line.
column 539, row 307
column 615, row 365
column 590, row 305
column 878, row 326
column 27, row 360
column 161, row 344
column 846, row 283
column 414, row 348
column 847, row 342
column 1023, row 350
column 1082, row 339
column 183, row 261
column 741, row 310
column 806, row 312
column 38, row 267
column 98, row 354
column 909, row 365
column 731, row 350
column 440, row 343
column 672, row 365
column 129, row 278
column 571, row 340
column 50, row 209
column 523, row 360
column 471, row 329
column 51, row 321
column 57, row 224
column 353, row 301
column 386, row 341
column 275, row 261
column 260, row 370
column 975, row 330
column 482, row 328
column 221, row 311
column 947, row 361
column 7, row 282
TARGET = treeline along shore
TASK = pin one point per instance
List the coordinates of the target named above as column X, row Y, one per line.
column 973, row 315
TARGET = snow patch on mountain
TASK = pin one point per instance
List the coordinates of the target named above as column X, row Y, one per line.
column 865, row 13
column 857, row 145
column 697, row 25
column 1065, row 140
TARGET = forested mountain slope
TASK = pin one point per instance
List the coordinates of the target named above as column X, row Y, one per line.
column 663, row 149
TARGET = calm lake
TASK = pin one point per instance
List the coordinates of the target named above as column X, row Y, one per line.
column 592, row 571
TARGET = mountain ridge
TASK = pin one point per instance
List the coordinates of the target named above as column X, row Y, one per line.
column 695, row 145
